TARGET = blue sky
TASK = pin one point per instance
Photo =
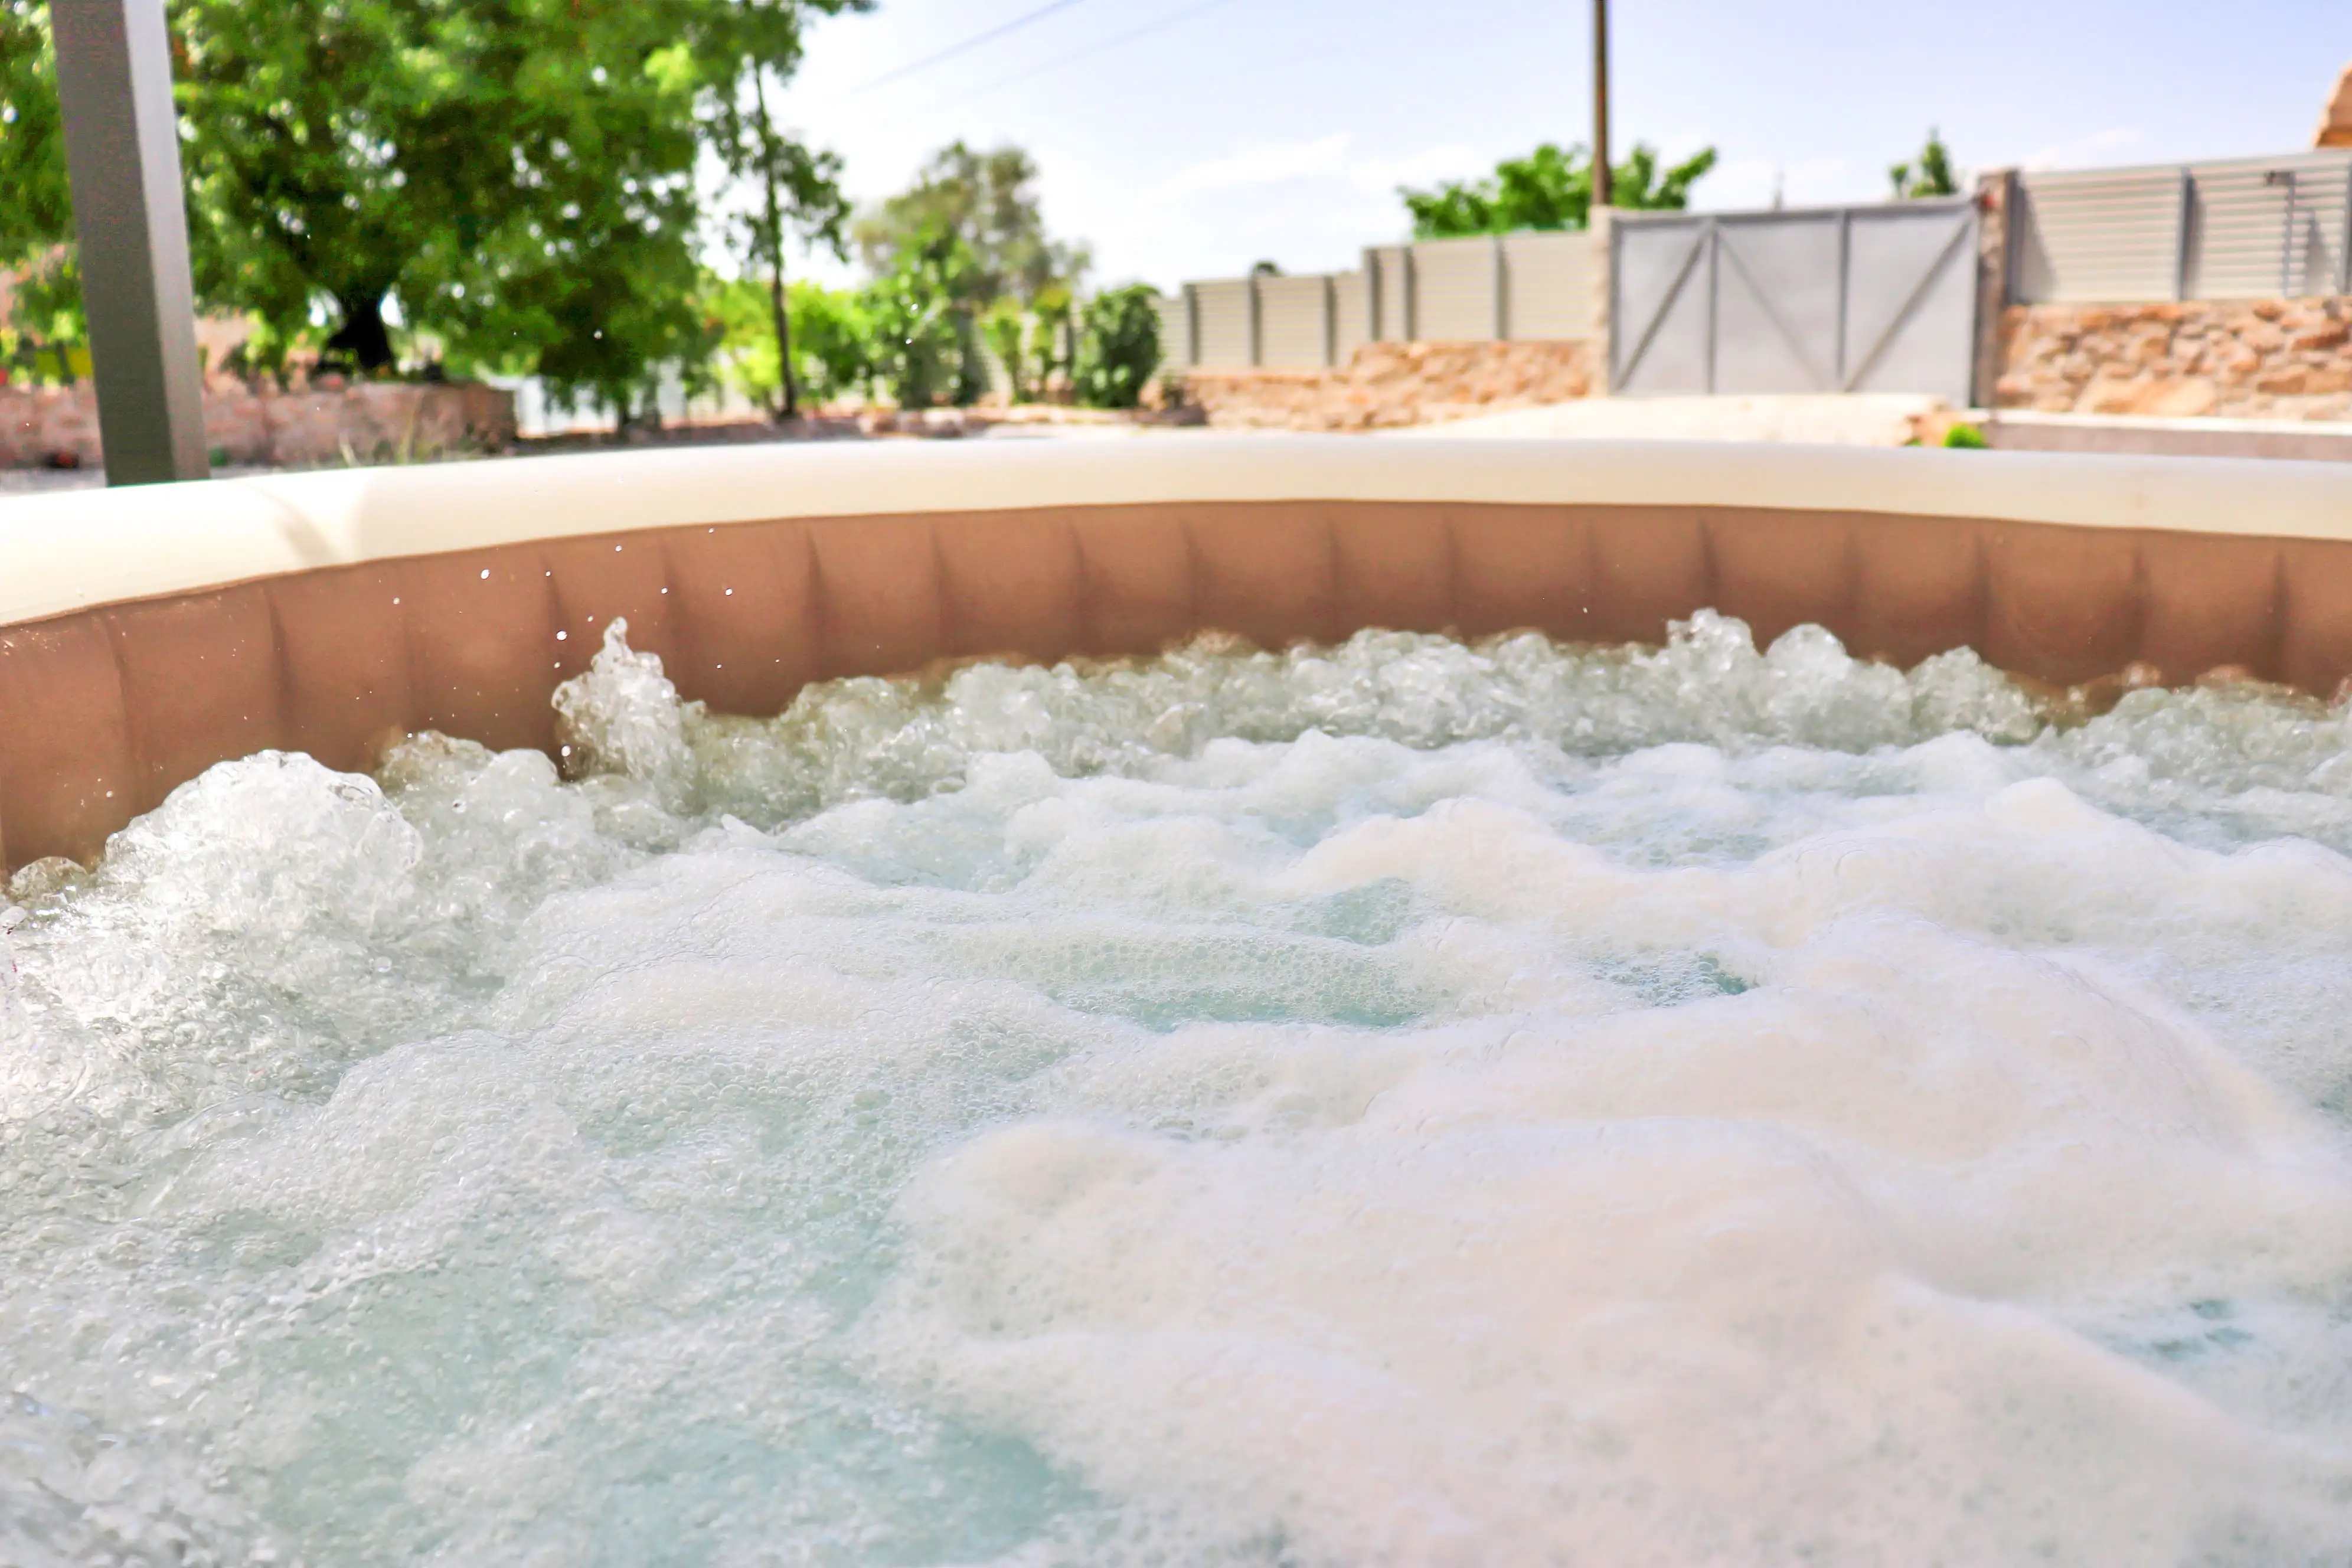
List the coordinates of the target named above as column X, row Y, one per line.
column 1237, row 129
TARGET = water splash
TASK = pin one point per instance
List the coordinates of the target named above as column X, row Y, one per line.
column 1405, row 1100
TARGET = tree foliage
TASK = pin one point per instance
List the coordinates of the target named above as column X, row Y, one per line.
column 827, row 333
column 796, row 194
column 514, row 178
column 36, row 212
column 1552, row 188
column 1929, row 175
column 989, row 202
column 1118, row 347
column 923, row 335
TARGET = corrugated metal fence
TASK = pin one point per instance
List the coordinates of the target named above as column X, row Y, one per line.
column 2244, row 228
column 1517, row 285
column 2247, row 228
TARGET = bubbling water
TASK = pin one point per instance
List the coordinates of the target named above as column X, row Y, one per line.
column 1403, row 1102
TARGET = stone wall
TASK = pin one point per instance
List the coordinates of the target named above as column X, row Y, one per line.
column 1386, row 385
column 369, row 422
column 2277, row 359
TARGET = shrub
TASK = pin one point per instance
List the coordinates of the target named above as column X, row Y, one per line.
column 1118, row 347
column 1965, row 436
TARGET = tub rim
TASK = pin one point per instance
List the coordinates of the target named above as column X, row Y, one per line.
column 88, row 549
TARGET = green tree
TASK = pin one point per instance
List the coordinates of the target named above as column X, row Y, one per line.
column 42, row 336
column 514, row 180
column 1011, row 332
column 1929, row 175
column 796, row 189
column 1118, row 347
column 921, row 337
column 826, row 334
column 989, row 202
column 45, row 337
column 36, row 211
column 1551, row 188
column 829, row 335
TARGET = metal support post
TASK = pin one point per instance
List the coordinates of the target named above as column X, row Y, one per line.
column 1601, row 178
column 122, row 151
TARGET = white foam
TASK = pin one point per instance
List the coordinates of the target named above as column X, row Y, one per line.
column 1403, row 1102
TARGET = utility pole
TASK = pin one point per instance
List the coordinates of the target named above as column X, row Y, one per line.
column 1600, row 175
column 131, row 217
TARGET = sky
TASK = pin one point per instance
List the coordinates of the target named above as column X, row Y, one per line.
column 1189, row 139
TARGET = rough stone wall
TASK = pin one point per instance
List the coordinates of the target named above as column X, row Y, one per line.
column 2335, row 119
column 1388, row 384
column 2276, row 359
column 366, row 422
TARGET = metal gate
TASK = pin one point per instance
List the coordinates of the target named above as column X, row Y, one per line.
column 1866, row 299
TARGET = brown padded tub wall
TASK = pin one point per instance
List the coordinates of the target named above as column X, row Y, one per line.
column 104, row 711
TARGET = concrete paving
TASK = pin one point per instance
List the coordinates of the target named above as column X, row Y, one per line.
column 1857, row 419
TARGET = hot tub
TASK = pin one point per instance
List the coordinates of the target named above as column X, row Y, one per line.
column 1809, row 1028
column 146, row 634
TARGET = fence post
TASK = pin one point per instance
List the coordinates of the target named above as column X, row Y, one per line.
column 1256, row 320
column 1502, row 291
column 1330, row 320
column 1601, row 231
column 2344, row 245
column 123, row 153
column 1191, row 327
column 1711, row 238
column 1998, row 193
column 2182, row 261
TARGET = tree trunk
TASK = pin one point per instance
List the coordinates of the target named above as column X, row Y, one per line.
column 788, row 405
column 363, row 335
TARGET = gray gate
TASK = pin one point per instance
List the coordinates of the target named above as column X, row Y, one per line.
column 1867, row 299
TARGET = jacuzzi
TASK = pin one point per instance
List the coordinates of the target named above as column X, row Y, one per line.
column 1319, row 1001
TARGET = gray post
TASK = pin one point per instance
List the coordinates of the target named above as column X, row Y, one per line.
column 2180, row 260
column 122, row 149
column 2000, row 214
column 1601, row 239
column 1502, row 292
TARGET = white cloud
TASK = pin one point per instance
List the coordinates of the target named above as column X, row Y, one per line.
column 1322, row 158
column 2098, row 147
column 1264, row 163
column 1454, row 161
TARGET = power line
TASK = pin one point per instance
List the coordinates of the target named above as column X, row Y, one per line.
column 1090, row 49
column 973, row 42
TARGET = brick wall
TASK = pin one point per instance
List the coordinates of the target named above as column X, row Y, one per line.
column 1386, row 385
column 370, row 422
column 2277, row 359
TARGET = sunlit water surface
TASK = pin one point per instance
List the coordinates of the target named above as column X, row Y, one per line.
column 1401, row 1103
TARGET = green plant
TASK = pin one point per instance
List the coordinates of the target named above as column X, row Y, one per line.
column 1929, row 175
column 1008, row 329
column 515, row 180
column 46, row 339
column 1551, row 188
column 830, row 341
column 919, row 331
column 990, row 202
column 827, row 333
column 1053, row 310
column 1118, row 347
column 37, row 211
column 1967, row 436
column 800, row 195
